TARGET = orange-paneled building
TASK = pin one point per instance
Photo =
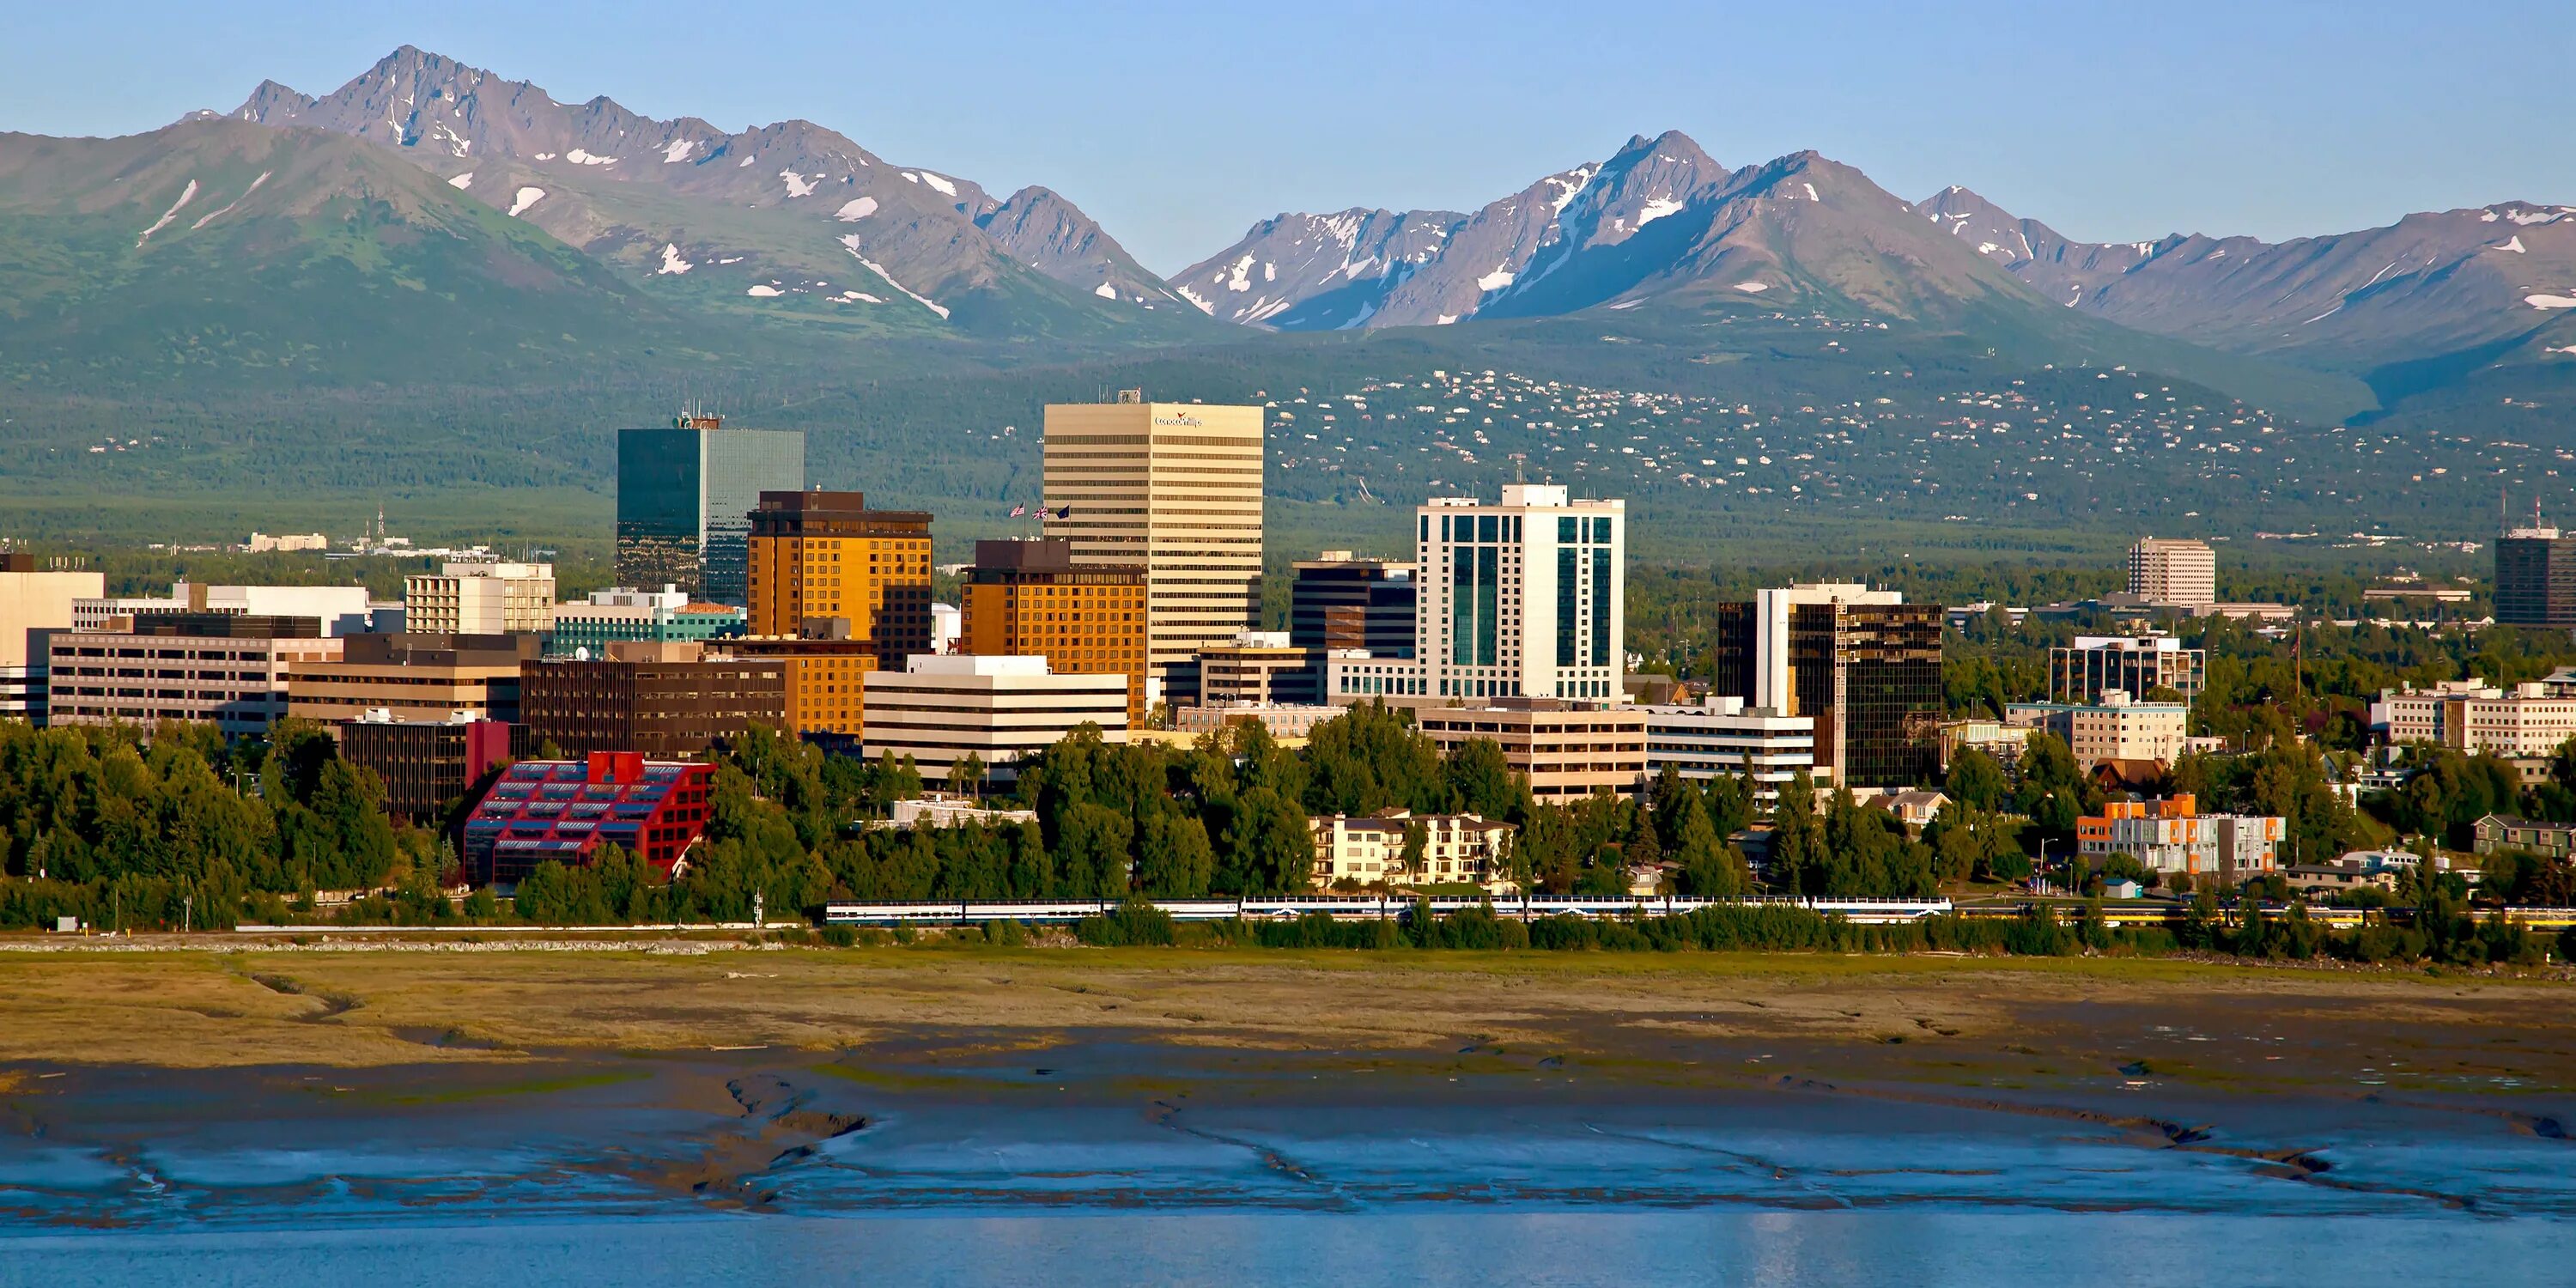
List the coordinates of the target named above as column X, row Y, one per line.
column 836, row 590
column 1030, row 599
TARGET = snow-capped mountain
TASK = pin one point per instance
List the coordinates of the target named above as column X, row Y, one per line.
column 774, row 212
column 2430, row 284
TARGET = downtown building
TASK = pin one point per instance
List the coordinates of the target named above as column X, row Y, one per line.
column 35, row 604
column 666, row 616
column 1174, row 489
column 1339, row 601
column 226, row 669
column 1031, row 599
column 836, row 590
column 684, row 492
column 666, row 701
column 942, row 708
column 1524, row 598
column 2137, row 665
column 2181, row 573
column 2535, row 577
column 1721, row 737
column 481, row 599
column 1863, row 665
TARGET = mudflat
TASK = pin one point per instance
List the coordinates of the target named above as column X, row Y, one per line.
column 1941, row 1020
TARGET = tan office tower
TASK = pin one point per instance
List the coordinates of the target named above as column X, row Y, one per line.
column 2173, row 572
column 1174, row 488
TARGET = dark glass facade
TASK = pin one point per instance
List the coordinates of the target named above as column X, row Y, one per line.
column 2535, row 581
column 1870, row 675
column 684, row 492
column 1354, row 603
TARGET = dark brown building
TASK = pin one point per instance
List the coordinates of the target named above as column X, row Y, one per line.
column 1338, row 601
column 424, row 764
column 667, row 701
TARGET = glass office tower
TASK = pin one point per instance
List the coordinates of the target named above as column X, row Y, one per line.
column 684, row 496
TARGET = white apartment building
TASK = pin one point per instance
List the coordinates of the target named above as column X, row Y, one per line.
column 941, row 707
column 2473, row 717
column 481, row 599
column 1723, row 737
column 1457, row 848
column 342, row 610
column 1521, row 599
column 2173, row 572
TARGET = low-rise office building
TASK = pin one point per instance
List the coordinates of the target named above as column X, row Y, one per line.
column 664, row 616
column 942, row 708
column 1457, row 849
column 664, row 701
column 2003, row 742
column 2172, row 835
column 1720, row 736
column 826, row 673
column 413, row 676
column 424, row 764
column 227, row 669
column 340, row 610
column 1260, row 668
column 481, row 599
column 1292, row 722
column 1568, row 750
column 947, row 809
column 563, row 811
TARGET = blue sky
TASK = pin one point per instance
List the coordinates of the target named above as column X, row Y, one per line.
column 1178, row 125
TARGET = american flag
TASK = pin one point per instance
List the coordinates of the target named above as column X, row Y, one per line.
column 1018, row 511
column 1043, row 513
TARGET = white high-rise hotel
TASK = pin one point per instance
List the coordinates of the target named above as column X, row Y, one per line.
column 1520, row 599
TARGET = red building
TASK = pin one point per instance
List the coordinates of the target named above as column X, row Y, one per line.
column 565, row 810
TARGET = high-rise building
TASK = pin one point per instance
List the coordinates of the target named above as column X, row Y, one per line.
column 481, row 599
column 1174, row 488
column 1863, row 664
column 683, row 492
column 942, row 708
column 1338, row 601
column 34, row 604
column 2163, row 571
column 825, row 555
column 2535, row 578
column 1519, row 599
column 229, row 669
column 2133, row 664
column 1030, row 599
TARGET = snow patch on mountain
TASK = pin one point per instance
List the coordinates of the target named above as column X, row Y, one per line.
column 856, row 209
column 677, row 151
column 525, row 198
column 186, row 195
column 851, row 244
column 671, row 261
column 797, row 184
column 465, row 180
column 579, row 157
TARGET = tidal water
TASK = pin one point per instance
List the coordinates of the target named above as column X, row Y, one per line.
column 738, row 1176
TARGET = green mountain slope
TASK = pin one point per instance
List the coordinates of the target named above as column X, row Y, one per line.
column 221, row 252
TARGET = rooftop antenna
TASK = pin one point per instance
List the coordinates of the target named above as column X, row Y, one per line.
column 1519, row 460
